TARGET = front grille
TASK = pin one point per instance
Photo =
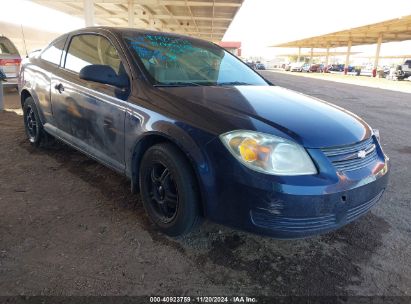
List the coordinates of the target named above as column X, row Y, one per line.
column 289, row 224
column 347, row 158
column 359, row 210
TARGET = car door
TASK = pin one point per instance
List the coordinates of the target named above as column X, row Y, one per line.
column 90, row 115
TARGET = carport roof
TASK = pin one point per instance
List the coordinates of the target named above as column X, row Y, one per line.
column 391, row 30
column 199, row 18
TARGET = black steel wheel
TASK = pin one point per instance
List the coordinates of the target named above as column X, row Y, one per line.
column 32, row 124
column 163, row 192
column 169, row 190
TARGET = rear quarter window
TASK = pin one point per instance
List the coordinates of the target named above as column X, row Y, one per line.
column 54, row 51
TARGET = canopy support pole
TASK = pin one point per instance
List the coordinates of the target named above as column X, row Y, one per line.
column 327, row 59
column 377, row 55
column 347, row 58
column 89, row 12
column 311, row 56
column 131, row 13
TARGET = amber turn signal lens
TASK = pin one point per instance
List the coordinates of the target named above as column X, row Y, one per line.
column 249, row 150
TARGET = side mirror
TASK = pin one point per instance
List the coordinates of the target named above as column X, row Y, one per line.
column 103, row 74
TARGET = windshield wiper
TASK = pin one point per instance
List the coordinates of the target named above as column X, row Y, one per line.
column 177, row 84
column 233, row 83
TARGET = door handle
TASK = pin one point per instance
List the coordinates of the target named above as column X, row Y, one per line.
column 59, row 87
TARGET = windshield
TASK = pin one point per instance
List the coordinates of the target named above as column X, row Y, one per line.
column 7, row 47
column 181, row 61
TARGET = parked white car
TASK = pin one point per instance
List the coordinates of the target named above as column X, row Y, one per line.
column 367, row 70
column 9, row 61
column 297, row 66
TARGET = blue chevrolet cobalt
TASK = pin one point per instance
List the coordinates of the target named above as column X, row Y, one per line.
column 200, row 134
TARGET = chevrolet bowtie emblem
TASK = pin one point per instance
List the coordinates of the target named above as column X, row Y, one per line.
column 361, row 154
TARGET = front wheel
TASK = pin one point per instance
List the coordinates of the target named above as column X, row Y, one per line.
column 169, row 190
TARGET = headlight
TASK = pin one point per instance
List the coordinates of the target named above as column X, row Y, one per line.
column 268, row 153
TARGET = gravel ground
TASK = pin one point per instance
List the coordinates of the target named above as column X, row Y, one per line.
column 69, row 226
column 373, row 82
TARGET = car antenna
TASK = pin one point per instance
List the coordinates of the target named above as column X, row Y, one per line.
column 24, row 40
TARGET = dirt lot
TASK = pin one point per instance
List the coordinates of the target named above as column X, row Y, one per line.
column 69, row 226
column 379, row 83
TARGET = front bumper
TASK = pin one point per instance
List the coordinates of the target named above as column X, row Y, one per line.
column 294, row 207
column 297, row 216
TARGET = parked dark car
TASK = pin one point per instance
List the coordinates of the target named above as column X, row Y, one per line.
column 260, row 66
column 340, row 68
column 336, row 68
column 199, row 133
column 251, row 65
column 404, row 71
column 351, row 68
column 316, row 68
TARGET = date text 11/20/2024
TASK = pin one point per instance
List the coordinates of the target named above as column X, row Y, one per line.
column 236, row 299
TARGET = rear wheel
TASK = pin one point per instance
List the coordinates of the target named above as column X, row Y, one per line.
column 168, row 189
column 33, row 126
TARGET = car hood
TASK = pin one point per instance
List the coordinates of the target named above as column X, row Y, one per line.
column 309, row 121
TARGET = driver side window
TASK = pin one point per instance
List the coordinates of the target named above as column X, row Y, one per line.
column 87, row 49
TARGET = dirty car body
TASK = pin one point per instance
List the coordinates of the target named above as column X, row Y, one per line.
column 238, row 137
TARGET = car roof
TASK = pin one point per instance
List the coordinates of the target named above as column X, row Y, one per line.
column 122, row 30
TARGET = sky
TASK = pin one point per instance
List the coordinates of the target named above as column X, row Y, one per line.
column 258, row 24
column 34, row 15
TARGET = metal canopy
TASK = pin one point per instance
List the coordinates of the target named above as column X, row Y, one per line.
column 199, row 18
column 388, row 31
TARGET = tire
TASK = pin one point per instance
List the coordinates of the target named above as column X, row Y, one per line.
column 33, row 126
column 168, row 190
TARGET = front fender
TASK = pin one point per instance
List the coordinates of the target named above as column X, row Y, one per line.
column 27, row 91
column 144, row 129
